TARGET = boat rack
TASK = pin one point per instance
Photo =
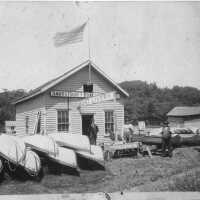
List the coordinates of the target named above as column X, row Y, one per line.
column 117, row 150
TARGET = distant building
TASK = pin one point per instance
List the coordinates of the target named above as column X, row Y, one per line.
column 186, row 116
column 10, row 127
column 69, row 102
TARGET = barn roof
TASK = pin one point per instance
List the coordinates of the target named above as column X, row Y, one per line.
column 184, row 111
column 41, row 89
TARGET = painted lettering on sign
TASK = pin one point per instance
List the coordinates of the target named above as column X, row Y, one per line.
column 100, row 98
column 74, row 94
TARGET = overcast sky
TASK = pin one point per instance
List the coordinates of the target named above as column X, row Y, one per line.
column 153, row 41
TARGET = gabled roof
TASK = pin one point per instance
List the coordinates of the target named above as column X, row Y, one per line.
column 59, row 79
column 184, row 111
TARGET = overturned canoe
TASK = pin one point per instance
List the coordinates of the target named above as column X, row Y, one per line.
column 72, row 141
column 65, row 157
column 193, row 140
column 31, row 163
column 152, row 140
column 12, row 149
column 42, row 144
column 95, row 155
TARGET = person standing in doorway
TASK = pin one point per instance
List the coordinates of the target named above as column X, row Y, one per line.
column 93, row 130
column 166, row 140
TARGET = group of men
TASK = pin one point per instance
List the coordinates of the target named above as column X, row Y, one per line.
column 166, row 137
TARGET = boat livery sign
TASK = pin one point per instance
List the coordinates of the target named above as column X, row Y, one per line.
column 63, row 93
column 97, row 99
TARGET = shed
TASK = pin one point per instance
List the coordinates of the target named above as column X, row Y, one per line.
column 67, row 104
column 185, row 116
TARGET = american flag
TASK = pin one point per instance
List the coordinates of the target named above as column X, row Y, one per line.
column 70, row 37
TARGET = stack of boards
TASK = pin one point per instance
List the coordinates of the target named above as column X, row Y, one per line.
column 60, row 148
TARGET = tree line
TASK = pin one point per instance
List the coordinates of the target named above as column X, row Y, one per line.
column 151, row 103
column 7, row 109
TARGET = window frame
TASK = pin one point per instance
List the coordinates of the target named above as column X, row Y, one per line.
column 62, row 123
column 106, row 122
column 88, row 84
column 27, row 124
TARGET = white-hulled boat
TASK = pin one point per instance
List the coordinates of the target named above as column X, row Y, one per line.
column 1, row 171
column 95, row 155
column 31, row 163
column 65, row 157
column 72, row 141
column 42, row 144
column 12, row 148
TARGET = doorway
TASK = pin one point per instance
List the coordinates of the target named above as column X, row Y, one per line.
column 86, row 121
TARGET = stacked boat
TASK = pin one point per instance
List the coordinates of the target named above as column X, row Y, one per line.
column 81, row 145
column 25, row 155
column 47, row 148
column 15, row 156
column 180, row 137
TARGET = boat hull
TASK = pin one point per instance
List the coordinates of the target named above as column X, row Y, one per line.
column 92, row 159
column 72, row 141
column 12, row 149
column 42, row 144
column 65, row 157
column 31, row 163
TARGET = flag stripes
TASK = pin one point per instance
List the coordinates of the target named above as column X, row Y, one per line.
column 73, row 36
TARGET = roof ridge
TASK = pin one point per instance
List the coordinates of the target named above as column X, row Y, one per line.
column 58, row 79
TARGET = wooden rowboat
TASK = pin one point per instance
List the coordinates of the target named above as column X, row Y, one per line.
column 65, row 157
column 31, row 163
column 42, row 144
column 12, row 149
column 72, row 141
column 96, row 154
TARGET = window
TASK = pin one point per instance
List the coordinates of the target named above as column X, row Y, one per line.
column 63, row 120
column 88, row 88
column 109, row 122
column 39, row 123
column 26, row 124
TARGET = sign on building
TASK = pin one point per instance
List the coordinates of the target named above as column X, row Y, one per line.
column 100, row 98
column 75, row 94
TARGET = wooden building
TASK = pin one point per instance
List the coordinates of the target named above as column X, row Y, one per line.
column 187, row 116
column 68, row 102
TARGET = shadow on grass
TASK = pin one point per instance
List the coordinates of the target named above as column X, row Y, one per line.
column 58, row 169
column 87, row 164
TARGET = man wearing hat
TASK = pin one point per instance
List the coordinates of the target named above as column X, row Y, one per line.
column 166, row 140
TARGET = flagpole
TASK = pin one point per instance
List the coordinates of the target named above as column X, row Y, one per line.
column 89, row 54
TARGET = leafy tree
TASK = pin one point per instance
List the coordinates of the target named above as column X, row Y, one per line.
column 7, row 109
column 150, row 103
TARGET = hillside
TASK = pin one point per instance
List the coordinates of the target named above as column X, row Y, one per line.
column 151, row 103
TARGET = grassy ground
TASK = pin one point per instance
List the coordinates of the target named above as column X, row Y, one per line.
column 179, row 173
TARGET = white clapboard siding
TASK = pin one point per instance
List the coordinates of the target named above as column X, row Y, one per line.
column 75, row 120
column 49, row 105
column 29, row 108
column 75, row 82
column 192, row 123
